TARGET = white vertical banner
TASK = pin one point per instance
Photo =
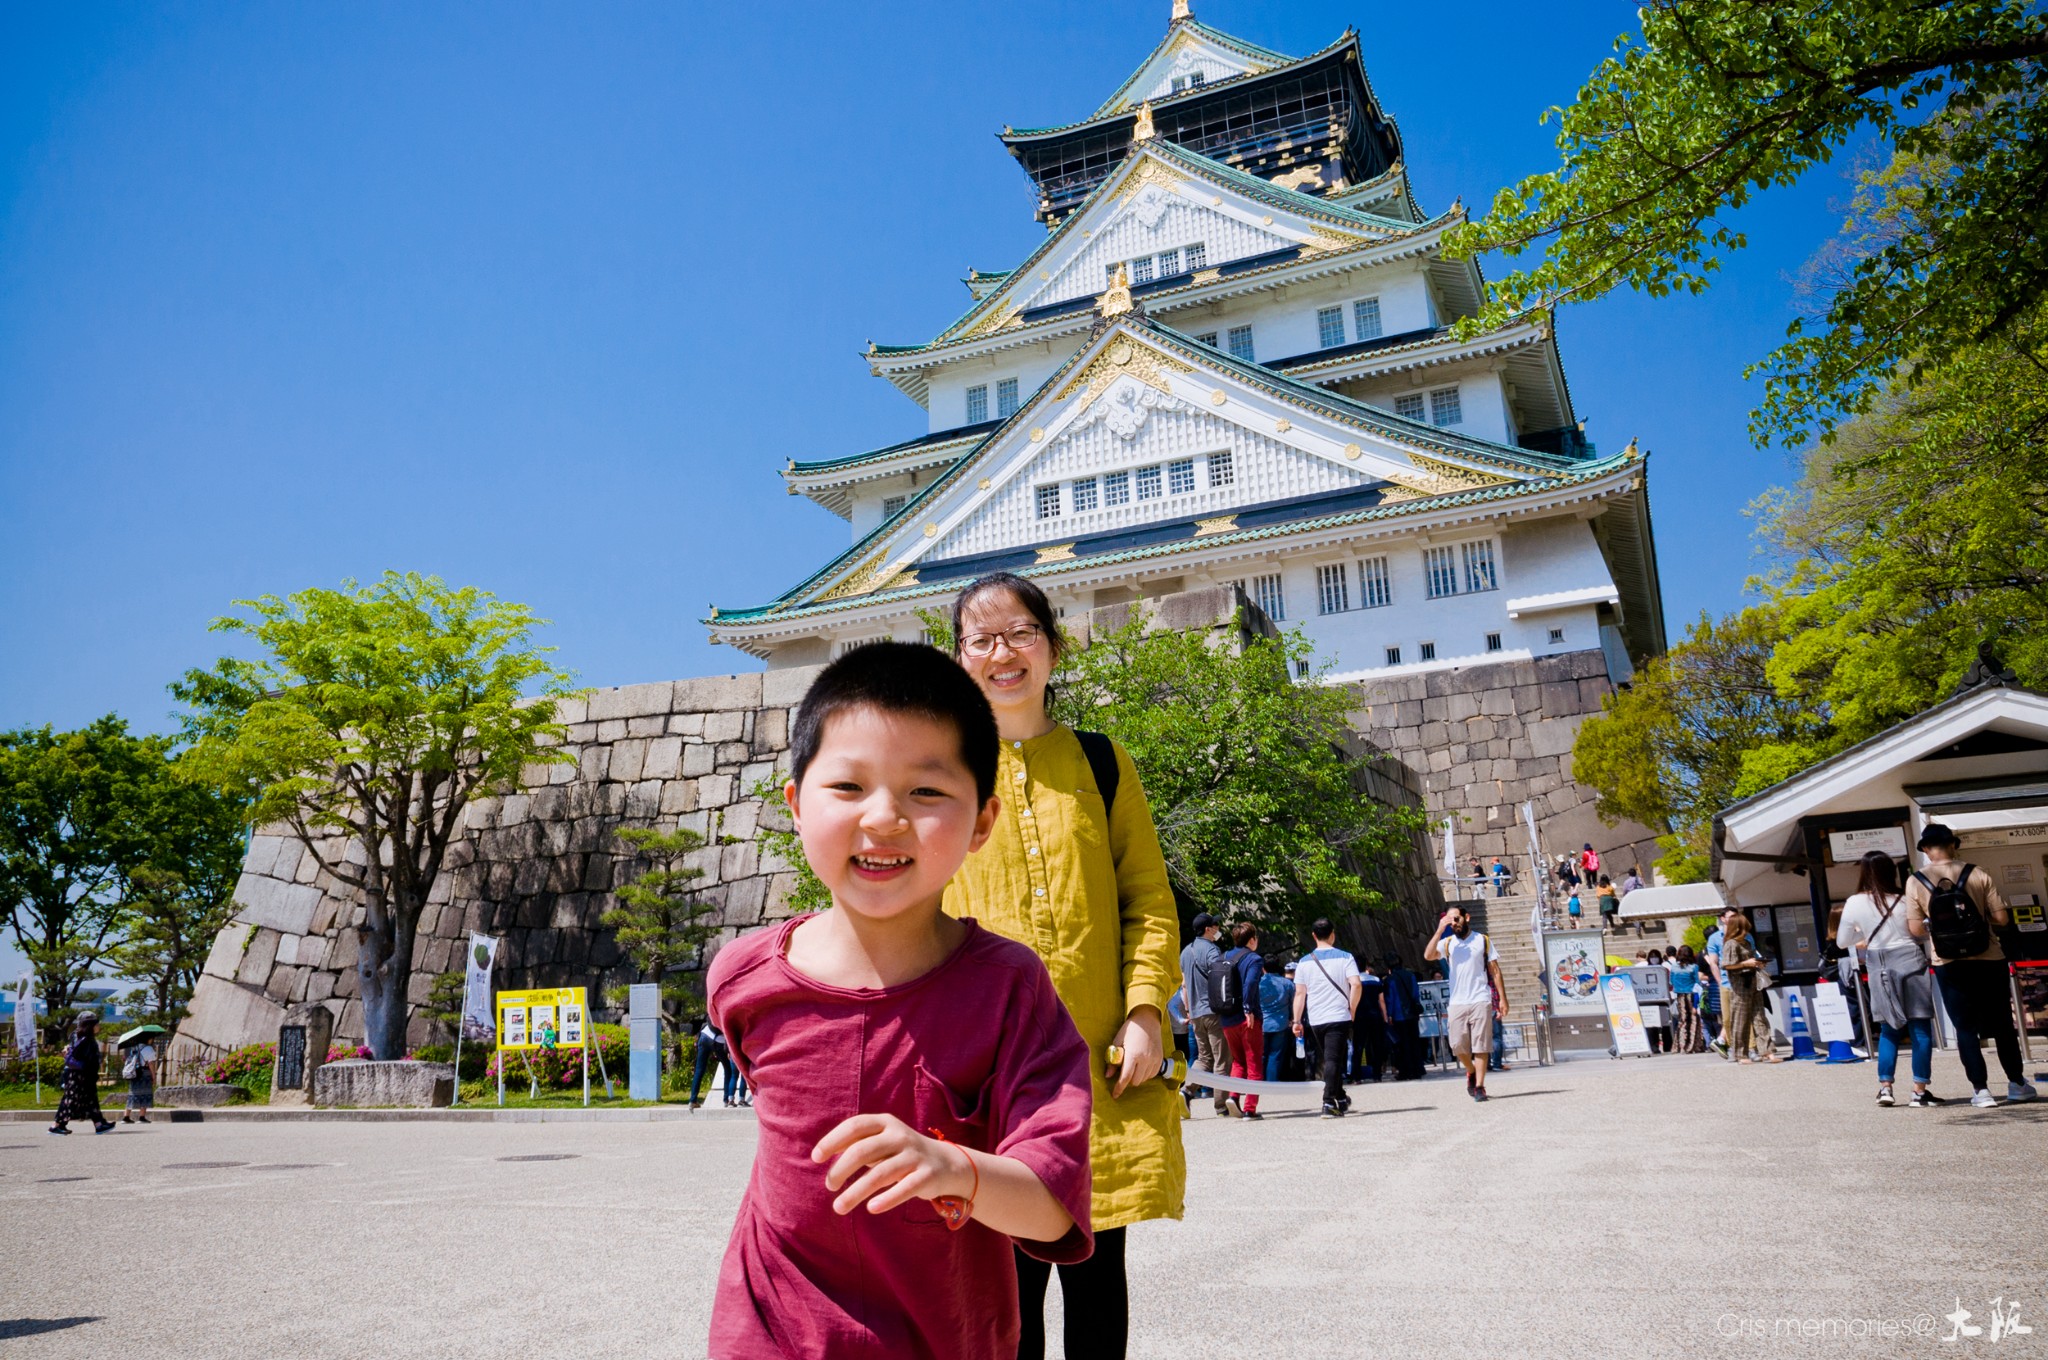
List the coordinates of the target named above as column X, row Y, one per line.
column 25, row 1015
column 479, row 1018
column 1450, row 850
column 1539, row 871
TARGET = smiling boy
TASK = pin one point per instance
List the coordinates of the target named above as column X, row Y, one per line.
column 923, row 1096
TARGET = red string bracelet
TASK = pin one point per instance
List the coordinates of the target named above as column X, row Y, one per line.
column 953, row 1210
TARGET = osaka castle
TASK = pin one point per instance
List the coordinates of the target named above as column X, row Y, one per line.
column 1233, row 360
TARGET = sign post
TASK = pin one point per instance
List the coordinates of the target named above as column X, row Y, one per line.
column 643, row 1020
column 477, row 1023
column 25, row 1027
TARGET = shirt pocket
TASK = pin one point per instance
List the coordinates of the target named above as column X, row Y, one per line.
column 944, row 1110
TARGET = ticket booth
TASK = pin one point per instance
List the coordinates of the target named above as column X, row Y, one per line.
column 1977, row 762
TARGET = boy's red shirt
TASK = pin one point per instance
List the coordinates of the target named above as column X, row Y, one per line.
column 981, row 1049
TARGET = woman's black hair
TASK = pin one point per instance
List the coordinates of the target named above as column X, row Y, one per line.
column 1878, row 875
column 1025, row 593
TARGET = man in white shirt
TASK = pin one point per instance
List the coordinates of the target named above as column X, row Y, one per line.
column 1473, row 966
column 1326, row 994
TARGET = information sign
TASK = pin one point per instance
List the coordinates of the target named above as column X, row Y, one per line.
column 546, row 1017
column 1571, row 971
column 1831, row 1015
column 1624, row 1016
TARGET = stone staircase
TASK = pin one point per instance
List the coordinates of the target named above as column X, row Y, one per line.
column 1506, row 922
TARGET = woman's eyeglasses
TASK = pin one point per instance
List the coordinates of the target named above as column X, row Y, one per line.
column 1022, row 638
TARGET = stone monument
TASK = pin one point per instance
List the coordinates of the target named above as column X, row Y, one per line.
column 302, row 1042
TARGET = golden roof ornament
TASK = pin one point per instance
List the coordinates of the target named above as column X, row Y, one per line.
column 1116, row 299
column 1143, row 131
column 1181, row 11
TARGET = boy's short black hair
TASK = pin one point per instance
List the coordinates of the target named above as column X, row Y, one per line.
column 900, row 677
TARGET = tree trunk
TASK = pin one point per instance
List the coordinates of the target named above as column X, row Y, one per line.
column 384, row 972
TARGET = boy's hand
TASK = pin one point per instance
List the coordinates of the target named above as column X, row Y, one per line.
column 902, row 1164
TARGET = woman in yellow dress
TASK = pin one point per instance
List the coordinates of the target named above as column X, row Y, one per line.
column 1085, row 885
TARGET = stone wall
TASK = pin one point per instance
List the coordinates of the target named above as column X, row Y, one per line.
column 1484, row 739
column 536, row 867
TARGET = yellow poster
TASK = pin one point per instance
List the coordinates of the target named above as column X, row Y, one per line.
column 548, row 1017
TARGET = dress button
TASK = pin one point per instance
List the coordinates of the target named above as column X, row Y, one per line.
column 1016, row 745
column 1020, row 775
column 1027, row 812
column 1032, row 851
column 1038, row 892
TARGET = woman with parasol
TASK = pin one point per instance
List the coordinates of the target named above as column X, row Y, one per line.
column 138, row 1065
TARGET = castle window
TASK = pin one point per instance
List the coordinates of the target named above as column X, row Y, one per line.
column 1444, row 407
column 1116, row 488
column 977, row 404
column 1141, row 270
column 1148, row 483
column 1428, row 651
column 1208, row 338
column 1241, row 342
column 1479, row 572
column 1493, row 642
column 1180, row 477
column 1169, row 263
column 1556, row 635
column 1222, row 472
column 1333, row 588
column 1330, row 327
column 1393, row 656
column 891, row 505
column 1440, row 568
column 1006, row 398
column 1301, row 668
column 1049, row 501
column 1084, row 495
column 1198, row 255
column 1409, row 404
column 1365, row 318
column 1375, row 591
column 1269, row 595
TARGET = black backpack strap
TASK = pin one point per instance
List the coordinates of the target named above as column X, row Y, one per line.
column 1101, row 753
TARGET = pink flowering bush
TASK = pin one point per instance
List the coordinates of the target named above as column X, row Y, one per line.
column 563, row 1067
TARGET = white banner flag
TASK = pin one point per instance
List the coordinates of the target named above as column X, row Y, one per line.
column 25, row 1015
column 479, row 1017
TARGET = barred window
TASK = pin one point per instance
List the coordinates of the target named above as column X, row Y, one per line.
column 1479, row 572
column 1444, row 407
column 1333, row 589
column 1330, row 327
column 1169, row 263
column 1268, row 594
column 1556, row 635
column 1109, row 271
column 1493, row 642
column 1241, row 342
column 1049, row 501
column 1365, row 318
column 1409, row 404
column 1375, row 590
column 1222, row 471
column 1208, row 338
column 1198, row 255
column 977, row 404
column 1393, row 656
column 1148, row 483
column 1427, row 651
column 1006, row 398
column 891, row 505
column 1440, row 567
column 1180, row 476
column 1196, row 79
column 1116, row 488
column 1141, row 270
column 1084, row 495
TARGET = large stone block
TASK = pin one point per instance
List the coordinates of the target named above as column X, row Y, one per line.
column 663, row 758
column 357, row 1084
column 285, row 907
column 1554, row 736
column 224, row 960
column 227, row 1015
column 209, row 1096
column 718, row 692
column 786, row 688
column 257, row 958
column 632, row 701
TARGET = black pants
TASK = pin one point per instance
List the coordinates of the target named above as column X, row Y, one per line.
column 1326, row 1048
column 1408, row 1048
column 1095, row 1296
column 1975, row 994
column 1370, row 1052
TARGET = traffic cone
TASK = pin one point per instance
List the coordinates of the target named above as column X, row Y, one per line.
column 1839, row 1052
column 1802, row 1039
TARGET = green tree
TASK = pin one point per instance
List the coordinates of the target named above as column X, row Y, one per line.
column 778, row 838
column 1716, row 100
column 371, row 717
column 1700, row 727
column 660, row 922
column 168, row 928
column 1251, row 773
column 81, row 815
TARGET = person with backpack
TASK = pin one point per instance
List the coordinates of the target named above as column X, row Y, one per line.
column 138, row 1067
column 1957, row 909
column 1326, row 995
column 1073, row 869
column 1608, row 900
column 1404, row 1019
column 1478, row 995
column 1589, row 862
column 79, row 1096
column 1502, row 876
column 1369, row 1030
column 1901, row 992
column 1201, row 967
column 1245, row 970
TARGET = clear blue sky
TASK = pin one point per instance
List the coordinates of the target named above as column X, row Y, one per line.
column 539, row 298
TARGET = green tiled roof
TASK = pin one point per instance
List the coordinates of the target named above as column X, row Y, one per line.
column 939, row 439
column 1264, row 56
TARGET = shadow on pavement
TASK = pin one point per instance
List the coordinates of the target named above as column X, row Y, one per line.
column 1517, row 1095
column 13, row 1328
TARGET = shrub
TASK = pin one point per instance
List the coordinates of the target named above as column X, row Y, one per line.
column 563, row 1067
column 476, row 1058
column 19, row 1071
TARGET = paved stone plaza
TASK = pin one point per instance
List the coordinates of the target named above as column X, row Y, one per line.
column 1653, row 1208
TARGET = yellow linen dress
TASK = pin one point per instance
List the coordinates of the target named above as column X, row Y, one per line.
column 1088, row 891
